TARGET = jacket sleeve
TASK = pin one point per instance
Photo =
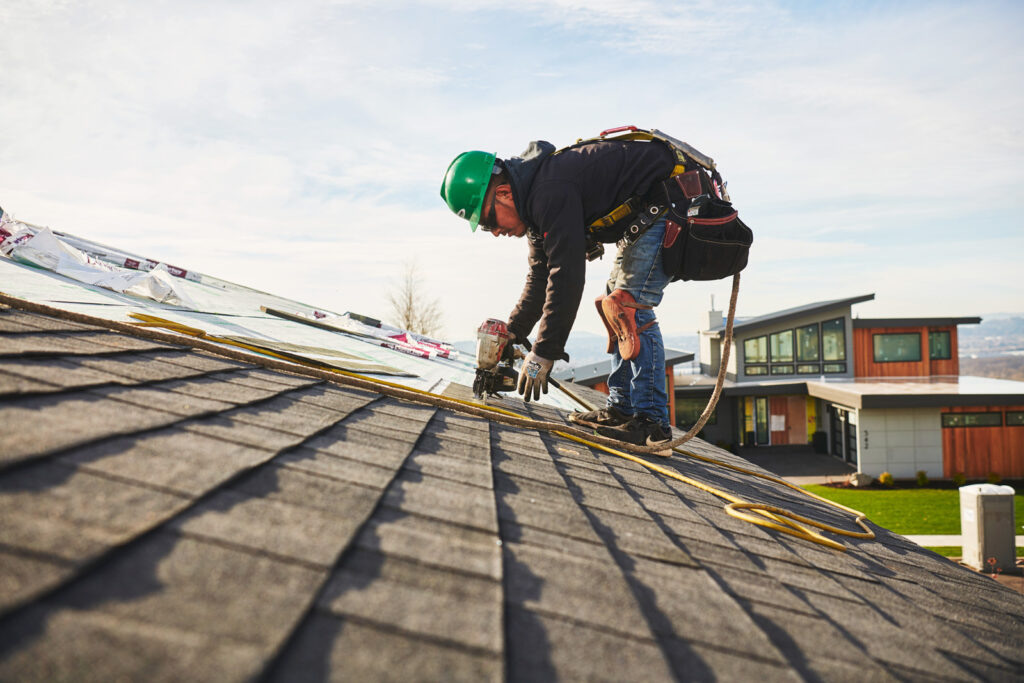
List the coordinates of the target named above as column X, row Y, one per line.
column 558, row 213
column 531, row 302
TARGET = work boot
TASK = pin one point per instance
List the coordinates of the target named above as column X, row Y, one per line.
column 640, row 431
column 612, row 340
column 619, row 310
column 604, row 417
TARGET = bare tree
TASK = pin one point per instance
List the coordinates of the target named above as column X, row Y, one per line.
column 411, row 308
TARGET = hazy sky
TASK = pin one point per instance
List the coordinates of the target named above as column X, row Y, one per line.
column 298, row 147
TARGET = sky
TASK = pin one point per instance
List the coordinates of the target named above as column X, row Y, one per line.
column 298, row 148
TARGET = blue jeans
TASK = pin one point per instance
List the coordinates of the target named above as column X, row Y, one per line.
column 637, row 387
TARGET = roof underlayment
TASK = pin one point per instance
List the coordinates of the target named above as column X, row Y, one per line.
column 173, row 512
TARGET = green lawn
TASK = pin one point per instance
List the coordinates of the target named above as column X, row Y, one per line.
column 910, row 510
column 958, row 551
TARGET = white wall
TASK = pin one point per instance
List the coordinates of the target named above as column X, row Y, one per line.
column 900, row 441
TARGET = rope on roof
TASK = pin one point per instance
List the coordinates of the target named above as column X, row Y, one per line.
column 770, row 517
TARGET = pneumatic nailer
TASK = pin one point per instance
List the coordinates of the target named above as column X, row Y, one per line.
column 494, row 358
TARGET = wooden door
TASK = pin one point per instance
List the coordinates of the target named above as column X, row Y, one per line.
column 778, row 420
column 796, row 419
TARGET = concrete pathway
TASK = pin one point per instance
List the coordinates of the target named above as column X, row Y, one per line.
column 948, row 539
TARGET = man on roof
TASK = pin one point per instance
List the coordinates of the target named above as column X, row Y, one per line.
column 551, row 198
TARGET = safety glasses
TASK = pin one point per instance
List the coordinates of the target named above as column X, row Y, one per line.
column 487, row 221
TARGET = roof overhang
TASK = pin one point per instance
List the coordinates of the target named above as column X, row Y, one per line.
column 944, row 392
column 871, row 393
column 788, row 314
column 861, row 323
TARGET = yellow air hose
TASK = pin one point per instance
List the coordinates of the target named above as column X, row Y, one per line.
column 770, row 517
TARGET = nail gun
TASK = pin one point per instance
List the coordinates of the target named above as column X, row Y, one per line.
column 495, row 355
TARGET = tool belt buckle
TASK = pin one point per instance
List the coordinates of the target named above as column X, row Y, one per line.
column 638, row 227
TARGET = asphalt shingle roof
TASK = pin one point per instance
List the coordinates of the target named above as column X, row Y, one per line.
column 169, row 514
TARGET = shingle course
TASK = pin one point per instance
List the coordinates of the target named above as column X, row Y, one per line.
column 331, row 648
column 414, row 598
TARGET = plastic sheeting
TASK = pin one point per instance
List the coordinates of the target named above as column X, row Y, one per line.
column 69, row 272
column 42, row 249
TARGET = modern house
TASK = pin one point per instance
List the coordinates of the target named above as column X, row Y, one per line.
column 882, row 394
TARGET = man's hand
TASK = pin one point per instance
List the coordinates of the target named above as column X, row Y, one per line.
column 533, row 376
column 508, row 353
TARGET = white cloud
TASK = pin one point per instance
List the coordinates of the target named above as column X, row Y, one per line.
column 298, row 147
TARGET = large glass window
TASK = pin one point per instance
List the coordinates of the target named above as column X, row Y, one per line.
column 755, row 369
column 972, row 419
column 689, row 410
column 1015, row 418
column 897, row 348
column 761, row 420
column 807, row 343
column 833, row 339
column 781, row 345
column 939, row 347
column 782, row 369
column 808, row 369
column 755, row 350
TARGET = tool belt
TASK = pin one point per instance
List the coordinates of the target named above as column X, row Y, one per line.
column 704, row 236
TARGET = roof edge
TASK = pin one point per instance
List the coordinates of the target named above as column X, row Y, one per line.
column 790, row 313
column 861, row 323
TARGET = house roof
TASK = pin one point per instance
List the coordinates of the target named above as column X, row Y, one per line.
column 593, row 373
column 179, row 508
column 788, row 314
column 862, row 323
column 943, row 391
column 171, row 513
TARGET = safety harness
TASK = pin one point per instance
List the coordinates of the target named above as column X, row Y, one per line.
column 638, row 213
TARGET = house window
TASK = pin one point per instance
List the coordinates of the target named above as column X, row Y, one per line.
column 897, row 348
column 990, row 419
column 939, row 347
column 807, row 343
column 755, row 350
column 808, row 369
column 689, row 410
column 835, row 367
column 782, row 369
column 755, row 369
column 833, row 339
column 1015, row 418
column 782, row 347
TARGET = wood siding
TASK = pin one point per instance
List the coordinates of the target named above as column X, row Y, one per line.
column 864, row 354
column 793, row 413
column 975, row 452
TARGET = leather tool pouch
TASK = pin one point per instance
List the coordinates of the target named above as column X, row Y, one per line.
column 704, row 236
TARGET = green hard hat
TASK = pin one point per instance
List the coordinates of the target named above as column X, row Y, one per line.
column 465, row 184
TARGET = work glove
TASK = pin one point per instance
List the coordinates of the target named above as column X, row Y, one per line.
column 533, row 376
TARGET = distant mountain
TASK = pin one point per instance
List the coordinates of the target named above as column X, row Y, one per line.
column 997, row 335
column 998, row 367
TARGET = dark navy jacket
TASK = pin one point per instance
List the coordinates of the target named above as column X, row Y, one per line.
column 557, row 195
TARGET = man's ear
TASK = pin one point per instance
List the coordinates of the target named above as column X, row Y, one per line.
column 503, row 191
